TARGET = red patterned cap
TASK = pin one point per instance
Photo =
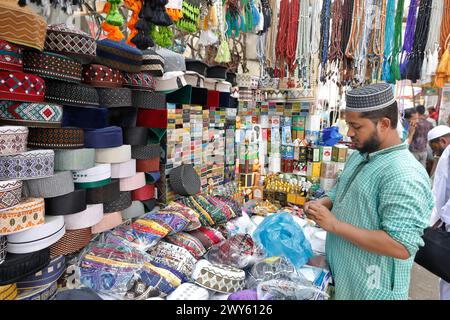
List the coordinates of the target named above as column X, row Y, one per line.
column 10, row 56
column 100, row 76
column 19, row 86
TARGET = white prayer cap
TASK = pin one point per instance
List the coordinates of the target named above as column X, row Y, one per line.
column 438, row 132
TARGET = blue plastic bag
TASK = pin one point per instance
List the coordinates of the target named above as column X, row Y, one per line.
column 280, row 235
column 331, row 136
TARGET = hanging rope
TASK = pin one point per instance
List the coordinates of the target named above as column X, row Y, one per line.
column 361, row 53
column 272, row 36
column 347, row 12
column 409, row 37
column 395, row 67
column 420, row 41
column 377, row 43
column 280, row 49
column 303, row 48
column 315, row 43
column 431, row 59
column 336, row 54
column 388, row 41
column 355, row 31
column 292, row 36
column 324, row 36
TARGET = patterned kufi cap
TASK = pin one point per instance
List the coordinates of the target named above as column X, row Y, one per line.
column 369, row 98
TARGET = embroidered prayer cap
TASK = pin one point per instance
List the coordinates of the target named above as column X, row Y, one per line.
column 172, row 61
column 372, row 97
column 119, row 55
column 52, row 65
column 152, row 63
column 10, row 57
column 19, row 86
column 217, row 277
column 70, row 41
column 71, row 94
column 438, row 132
column 21, row 25
column 34, row 114
column 100, row 76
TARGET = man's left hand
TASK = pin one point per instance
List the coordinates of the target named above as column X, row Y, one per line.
column 323, row 217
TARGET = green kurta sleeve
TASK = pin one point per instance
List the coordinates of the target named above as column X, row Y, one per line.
column 404, row 207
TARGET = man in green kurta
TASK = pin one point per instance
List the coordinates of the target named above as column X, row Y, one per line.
column 380, row 205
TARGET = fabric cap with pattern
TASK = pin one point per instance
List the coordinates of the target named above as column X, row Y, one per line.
column 21, row 25
column 73, row 42
column 71, row 94
column 369, row 98
column 39, row 114
column 10, row 56
column 100, row 76
column 185, row 180
column 172, row 61
column 117, row 97
column 119, row 55
column 139, row 81
column 152, row 63
column 19, row 86
column 52, row 65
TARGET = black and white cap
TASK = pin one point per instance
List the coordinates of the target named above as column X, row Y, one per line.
column 372, row 97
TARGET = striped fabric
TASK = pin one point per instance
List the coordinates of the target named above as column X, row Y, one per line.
column 386, row 190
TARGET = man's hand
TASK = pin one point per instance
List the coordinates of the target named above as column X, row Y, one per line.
column 322, row 216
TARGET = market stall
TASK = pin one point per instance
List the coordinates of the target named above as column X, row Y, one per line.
column 144, row 155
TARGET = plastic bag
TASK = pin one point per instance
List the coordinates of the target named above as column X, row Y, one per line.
column 238, row 251
column 109, row 268
column 281, row 289
column 279, row 235
column 270, row 269
column 331, row 136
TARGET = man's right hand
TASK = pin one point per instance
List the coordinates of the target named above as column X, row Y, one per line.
column 325, row 201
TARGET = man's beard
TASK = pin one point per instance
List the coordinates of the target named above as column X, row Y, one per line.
column 440, row 152
column 371, row 145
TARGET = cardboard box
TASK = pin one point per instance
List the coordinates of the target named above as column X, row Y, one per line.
column 313, row 154
column 302, row 154
column 326, row 153
column 340, row 153
column 313, row 169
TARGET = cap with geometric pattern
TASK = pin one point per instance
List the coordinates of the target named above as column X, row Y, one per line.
column 372, row 97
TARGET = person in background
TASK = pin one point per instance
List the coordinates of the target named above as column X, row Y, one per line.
column 418, row 146
column 409, row 124
column 439, row 140
column 433, row 115
column 376, row 213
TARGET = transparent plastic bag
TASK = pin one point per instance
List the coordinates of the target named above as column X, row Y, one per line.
column 282, row 289
column 279, row 235
column 109, row 268
column 127, row 235
column 270, row 269
column 238, row 251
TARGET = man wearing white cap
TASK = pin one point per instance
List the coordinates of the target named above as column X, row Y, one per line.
column 439, row 140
